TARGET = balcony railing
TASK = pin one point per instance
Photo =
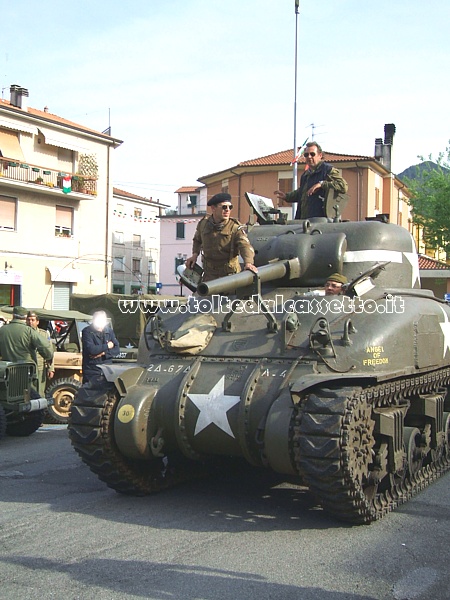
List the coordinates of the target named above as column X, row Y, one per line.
column 36, row 175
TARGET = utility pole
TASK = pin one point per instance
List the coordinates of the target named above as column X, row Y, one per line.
column 294, row 164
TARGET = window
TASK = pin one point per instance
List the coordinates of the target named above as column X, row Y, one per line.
column 64, row 220
column 377, row 199
column 118, row 237
column 225, row 186
column 8, row 208
column 136, row 241
column 136, row 262
column 192, row 201
column 118, row 289
column 138, row 213
column 178, row 262
column 180, row 231
column 152, row 267
column 119, row 263
column 285, row 185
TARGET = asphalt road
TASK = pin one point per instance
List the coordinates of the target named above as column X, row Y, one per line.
column 65, row 535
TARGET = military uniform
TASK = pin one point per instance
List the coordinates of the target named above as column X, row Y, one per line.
column 221, row 244
column 19, row 342
column 43, row 366
column 313, row 206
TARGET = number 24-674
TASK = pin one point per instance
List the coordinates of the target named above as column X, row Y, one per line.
column 175, row 369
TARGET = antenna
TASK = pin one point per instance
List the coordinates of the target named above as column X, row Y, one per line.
column 6, row 75
column 313, row 127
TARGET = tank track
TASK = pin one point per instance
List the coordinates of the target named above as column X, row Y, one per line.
column 91, row 431
column 325, row 426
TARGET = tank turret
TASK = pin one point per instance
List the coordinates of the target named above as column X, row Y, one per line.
column 345, row 394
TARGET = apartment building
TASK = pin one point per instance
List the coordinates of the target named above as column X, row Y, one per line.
column 135, row 243
column 177, row 230
column 55, row 206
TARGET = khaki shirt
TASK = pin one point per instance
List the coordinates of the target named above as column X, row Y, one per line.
column 19, row 342
column 221, row 247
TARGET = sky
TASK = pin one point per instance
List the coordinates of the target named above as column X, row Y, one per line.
column 193, row 87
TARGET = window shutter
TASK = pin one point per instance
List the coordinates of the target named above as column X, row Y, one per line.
column 7, row 213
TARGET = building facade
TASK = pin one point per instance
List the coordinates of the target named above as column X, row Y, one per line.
column 55, row 197
column 372, row 188
column 177, row 229
column 135, row 243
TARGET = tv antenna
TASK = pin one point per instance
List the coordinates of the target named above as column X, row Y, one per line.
column 313, row 128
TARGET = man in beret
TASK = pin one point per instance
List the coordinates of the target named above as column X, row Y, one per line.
column 334, row 285
column 18, row 342
column 221, row 239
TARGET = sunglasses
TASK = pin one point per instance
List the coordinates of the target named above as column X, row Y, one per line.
column 306, row 154
column 226, row 207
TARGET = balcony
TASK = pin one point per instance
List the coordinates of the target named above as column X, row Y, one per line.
column 14, row 171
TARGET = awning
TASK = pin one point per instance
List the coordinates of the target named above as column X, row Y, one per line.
column 63, row 140
column 67, row 275
column 10, row 146
column 17, row 125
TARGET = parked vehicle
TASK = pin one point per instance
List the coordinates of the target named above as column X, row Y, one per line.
column 21, row 409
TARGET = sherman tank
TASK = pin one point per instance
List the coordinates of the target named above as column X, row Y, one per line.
column 347, row 394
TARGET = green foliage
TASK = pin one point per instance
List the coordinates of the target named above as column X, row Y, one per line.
column 430, row 202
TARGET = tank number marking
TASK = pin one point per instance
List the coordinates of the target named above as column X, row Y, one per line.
column 175, row 369
column 126, row 413
column 377, row 356
column 267, row 373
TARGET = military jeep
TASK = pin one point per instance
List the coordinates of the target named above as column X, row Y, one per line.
column 21, row 409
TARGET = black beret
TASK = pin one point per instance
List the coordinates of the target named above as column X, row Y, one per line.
column 218, row 198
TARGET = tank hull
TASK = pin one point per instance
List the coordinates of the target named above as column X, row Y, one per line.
column 346, row 394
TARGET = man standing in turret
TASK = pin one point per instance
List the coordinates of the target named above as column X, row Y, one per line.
column 221, row 239
column 317, row 179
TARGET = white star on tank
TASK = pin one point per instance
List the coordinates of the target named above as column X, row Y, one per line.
column 445, row 326
column 213, row 408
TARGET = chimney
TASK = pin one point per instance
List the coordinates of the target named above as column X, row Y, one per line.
column 23, row 99
column 13, row 90
column 19, row 97
column 389, row 132
column 378, row 148
column 383, row 151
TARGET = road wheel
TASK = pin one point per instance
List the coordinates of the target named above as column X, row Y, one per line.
column 2, row 422
column 63, row 392
column 26, row 425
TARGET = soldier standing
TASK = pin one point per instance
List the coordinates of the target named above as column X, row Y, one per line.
column 221, row 239
column 317, row 178
column 18, row 342
column 46, row 368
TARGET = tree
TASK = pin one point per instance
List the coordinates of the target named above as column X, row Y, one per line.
column 430, row 202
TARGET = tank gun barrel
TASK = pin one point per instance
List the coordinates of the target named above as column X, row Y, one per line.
column 270, row 272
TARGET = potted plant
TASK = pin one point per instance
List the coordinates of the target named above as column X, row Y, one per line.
column 39, row 180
